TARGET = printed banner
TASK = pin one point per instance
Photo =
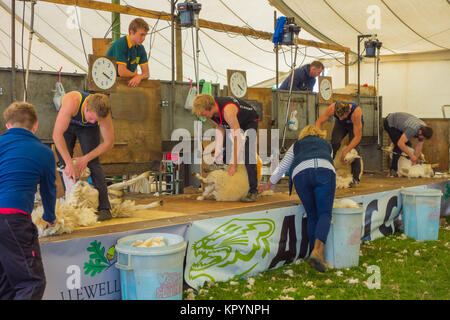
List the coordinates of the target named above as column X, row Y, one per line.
column 233, row 247
column 236, row 246
column 83, row 269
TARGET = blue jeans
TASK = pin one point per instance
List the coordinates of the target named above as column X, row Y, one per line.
column 315, row 188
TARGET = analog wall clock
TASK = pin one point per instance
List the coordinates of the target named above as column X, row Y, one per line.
column 237, row 83
column 325, row 90
column 102, row 74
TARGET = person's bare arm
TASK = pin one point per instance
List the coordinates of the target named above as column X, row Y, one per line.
column 69, row 106
column 325, row 116
column 230, row 116
column 107, row 133
column 402, row 145
column 124, row 72
column 220, row 134
column 357, row 132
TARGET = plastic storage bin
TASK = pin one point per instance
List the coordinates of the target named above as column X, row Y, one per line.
column 344, row 238
column 154, row 273
column 421, row 212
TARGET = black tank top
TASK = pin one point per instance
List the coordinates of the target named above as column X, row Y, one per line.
column 78, row 118
column 246, row 113
column 348, row 119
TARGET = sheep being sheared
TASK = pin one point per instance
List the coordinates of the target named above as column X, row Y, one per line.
column 80, row 206
column 68, row 218
column 219, row 185
column 344, row 172
column 406, row 169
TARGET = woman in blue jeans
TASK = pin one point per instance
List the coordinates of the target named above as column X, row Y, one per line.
column 310, row 164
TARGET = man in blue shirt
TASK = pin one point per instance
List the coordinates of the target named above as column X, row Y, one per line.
column 129, row 53
column 304, row 77
column 24, row 163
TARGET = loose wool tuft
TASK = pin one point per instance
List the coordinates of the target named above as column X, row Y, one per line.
column 345, row 203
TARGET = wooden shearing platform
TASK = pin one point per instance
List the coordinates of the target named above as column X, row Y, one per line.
column 184, row 208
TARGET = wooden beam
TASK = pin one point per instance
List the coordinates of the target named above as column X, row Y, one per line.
column 102, row 6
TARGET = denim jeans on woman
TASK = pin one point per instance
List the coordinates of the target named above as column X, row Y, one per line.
column 316, row 188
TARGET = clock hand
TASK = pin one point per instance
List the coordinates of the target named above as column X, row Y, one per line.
column 240, row 87
column 106, row 76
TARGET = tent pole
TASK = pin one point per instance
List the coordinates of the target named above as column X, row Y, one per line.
column 172, row 91
column 13, row 50
column 276, row 49
column 25, row 91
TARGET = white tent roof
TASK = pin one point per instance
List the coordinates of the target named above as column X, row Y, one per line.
column 405, row 26
column 402, row 25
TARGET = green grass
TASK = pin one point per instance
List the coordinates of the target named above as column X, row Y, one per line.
column 409, row 270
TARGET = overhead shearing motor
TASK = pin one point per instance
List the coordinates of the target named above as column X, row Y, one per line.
column 285, row 31
column 290, row 30
column 371, row 46
column 187, row 11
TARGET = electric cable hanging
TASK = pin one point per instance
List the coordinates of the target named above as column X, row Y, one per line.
column 37, row 57
column 23, row 64
column 207, row 59
column 236, row 54
column 283, row 149
column 81, row 35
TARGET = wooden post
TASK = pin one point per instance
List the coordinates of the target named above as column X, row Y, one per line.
column 115, row 22
column 346, row 68
column 179, row 51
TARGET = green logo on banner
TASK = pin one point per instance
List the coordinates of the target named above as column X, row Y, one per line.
column 241, row 241
column 447, row 192
column 98, row 260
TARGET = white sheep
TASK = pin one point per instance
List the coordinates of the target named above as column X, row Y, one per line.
column 79, row 207
column 343, row 172
column 219, row 185
column 406, row 169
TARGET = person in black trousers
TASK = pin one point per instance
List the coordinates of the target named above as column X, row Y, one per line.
column 229, row 113
column 348, row 119
column 85, row 117
column 25, row 162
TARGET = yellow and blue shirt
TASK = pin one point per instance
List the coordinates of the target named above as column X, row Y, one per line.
column 78, row 118
column 127, row 54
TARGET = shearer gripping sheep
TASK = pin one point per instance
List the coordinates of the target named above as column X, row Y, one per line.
column 232, row 114
column 401, row 127
column 348, row 120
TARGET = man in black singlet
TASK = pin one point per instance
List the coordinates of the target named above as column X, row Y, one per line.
column 348, row 119
column 228, row 113
column 85, row 117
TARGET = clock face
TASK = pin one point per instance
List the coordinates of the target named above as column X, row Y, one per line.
column 238, row 84
column 325, row 89
column 103, row 73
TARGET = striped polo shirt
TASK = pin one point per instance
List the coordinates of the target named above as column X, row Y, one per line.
column 406, row 123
